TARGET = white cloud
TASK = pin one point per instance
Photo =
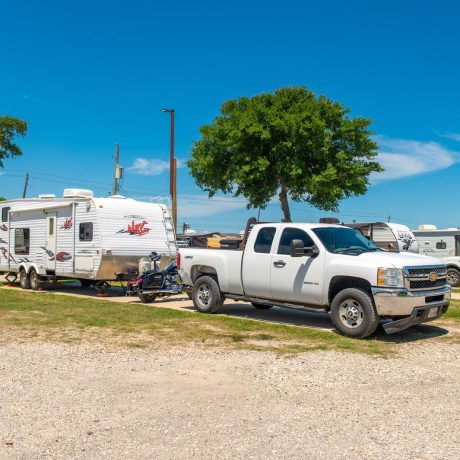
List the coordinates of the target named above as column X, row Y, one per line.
column 404, row 158
column 453, row 136
column 152, row 167
column 201, row 205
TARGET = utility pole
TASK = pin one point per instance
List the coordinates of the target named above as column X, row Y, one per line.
column 26, row 183
column 172, row 167
column 115, row 180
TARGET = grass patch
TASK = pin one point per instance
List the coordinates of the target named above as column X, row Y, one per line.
column 454, row 310
column 53, row 316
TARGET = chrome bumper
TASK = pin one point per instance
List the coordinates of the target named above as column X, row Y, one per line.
column 402, row 302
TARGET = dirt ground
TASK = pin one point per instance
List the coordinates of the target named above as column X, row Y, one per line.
column 93, row 400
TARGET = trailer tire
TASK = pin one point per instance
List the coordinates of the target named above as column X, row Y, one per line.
column 261, row 306
column 24, row 280
column 453, row 277
column 34, row 280
column 147, row 298
column 353, row 313
column 206, row 295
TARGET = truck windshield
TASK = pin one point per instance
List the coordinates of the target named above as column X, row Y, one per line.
column 344, row 240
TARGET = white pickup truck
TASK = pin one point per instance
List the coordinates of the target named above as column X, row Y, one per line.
column 320, row 266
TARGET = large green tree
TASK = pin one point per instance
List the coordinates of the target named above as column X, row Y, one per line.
column 291, row 143
column 9, row 128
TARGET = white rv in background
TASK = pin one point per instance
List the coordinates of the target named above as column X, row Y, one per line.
column 388, row 236
column 82, row 237
column 442, row 243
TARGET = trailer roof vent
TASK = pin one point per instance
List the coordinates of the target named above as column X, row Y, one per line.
column 77, row 193
column 46, row 196
column 425, row 227
column 329, row 220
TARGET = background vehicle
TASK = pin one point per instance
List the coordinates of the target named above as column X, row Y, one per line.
column 320, row 266
column 79, row 236
column 442, row 243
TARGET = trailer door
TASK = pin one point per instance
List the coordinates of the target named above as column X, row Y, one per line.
column 51, row 226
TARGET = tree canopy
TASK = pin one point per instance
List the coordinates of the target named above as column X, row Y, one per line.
column 9, row 128
column 291, row 143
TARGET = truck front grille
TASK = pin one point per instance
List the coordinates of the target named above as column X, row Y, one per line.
column 422, row 277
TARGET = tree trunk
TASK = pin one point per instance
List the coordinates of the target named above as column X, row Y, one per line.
column 283, row 196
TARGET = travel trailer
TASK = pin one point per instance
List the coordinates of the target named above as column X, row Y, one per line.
column 388, row 236
column 80, row 236
column 442, row 243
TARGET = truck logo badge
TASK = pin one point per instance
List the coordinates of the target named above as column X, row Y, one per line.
column 136, row 229
column 433, row 276
column 67, row 224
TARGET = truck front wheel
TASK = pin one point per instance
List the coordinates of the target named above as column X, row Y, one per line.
column 206, row 295
column 353, row 313
column 453, row 277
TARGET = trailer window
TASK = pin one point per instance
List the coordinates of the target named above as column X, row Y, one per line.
column 86, row 231
column 290, row 234
column 21, row 240
column 264, row 240
column 5, row 214
column 441, row 245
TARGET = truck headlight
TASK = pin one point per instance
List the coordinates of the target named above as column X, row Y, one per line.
column 390, row 277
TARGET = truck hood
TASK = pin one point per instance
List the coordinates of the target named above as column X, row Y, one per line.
column 398, row 259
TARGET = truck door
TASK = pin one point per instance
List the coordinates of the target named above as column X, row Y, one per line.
column 51, row 227
column 257, row 263
column 296, row 279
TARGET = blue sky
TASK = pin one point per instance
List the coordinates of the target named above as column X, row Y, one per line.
column 89, row 74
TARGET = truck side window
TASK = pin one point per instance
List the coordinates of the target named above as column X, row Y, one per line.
column 441, row 245
column 21, row 241
column 86, row 231
column 5, row 214
column 290, row 234
column 264, row 240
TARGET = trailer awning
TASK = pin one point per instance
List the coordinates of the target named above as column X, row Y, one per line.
column 43, row 207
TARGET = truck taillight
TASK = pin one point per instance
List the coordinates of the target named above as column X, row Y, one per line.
column 178, row 260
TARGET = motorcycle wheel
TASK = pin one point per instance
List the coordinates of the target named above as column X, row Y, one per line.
column 147, row 298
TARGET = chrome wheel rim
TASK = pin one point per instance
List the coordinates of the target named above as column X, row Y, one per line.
column 204, row 295
column 351, row 313
column 452, row 278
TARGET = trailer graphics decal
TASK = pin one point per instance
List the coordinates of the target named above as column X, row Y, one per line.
column 137, row 229
column 7, row 256
column 4, row 228
column 67, row 224
column 2, row 241
column 59, row 257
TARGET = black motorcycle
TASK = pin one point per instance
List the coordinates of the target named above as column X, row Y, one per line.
column 155, row 283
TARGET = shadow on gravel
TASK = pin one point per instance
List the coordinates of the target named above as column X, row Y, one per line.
column 413, row 334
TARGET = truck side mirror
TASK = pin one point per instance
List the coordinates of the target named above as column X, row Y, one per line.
column 297, row 249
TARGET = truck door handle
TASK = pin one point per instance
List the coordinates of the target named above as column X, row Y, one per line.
column 279, row 263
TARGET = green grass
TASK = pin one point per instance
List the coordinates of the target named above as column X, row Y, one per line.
column 33, row 315
column 454, row 310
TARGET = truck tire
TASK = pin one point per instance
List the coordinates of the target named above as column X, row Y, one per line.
column 261, row 306
column 34, row 280
column 24, row 280
column 453, row 277
column 147, row 298
column 353, row 313
column 206, row 295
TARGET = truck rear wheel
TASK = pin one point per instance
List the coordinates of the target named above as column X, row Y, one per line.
column 24, row 280
column 453, row 277
column 353, row 313
column 206, row 295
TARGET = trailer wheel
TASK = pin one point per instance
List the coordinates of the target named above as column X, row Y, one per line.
column 206, row 294
column 34, row 280
column 353, row 313
column 147, row 298
column 453, row 277
column 261, row 306
column 86, row 283
column 24, row 280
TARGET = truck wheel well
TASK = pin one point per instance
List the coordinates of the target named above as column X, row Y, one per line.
column 453, row 266
column 339, row 283
column 200, row 270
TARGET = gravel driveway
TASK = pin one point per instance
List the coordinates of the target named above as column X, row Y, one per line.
column 91, row 401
